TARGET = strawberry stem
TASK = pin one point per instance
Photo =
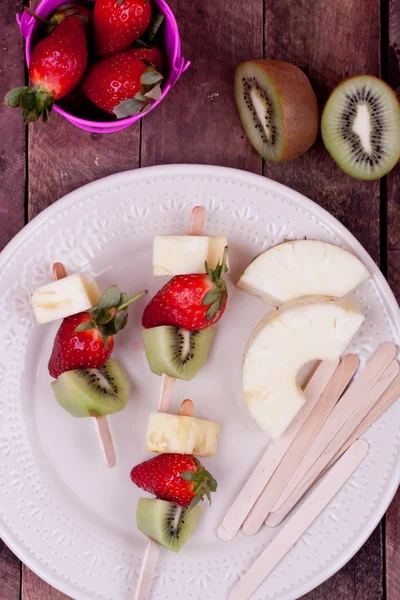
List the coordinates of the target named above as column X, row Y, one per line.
column 131, row 300
column 37, row 17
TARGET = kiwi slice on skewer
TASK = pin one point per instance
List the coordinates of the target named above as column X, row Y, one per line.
column 177, row 352
column 93, row 392
column 361, row 127
column 278, row 108
column 167, row 523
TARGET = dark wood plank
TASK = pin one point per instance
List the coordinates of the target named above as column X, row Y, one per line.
column 319, row 37
column 198, row 121
column 10, row 574
column 12, row 139
column 393, row 259
column 34, row 588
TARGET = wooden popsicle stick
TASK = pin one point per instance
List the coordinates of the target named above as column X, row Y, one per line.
column 276, row 450
column 340, row 414
column 149, row 563
column 336, row 442
column 300, row 522
column 101, row 424
column 147, row 570
column 331, row 394
column 384, row 402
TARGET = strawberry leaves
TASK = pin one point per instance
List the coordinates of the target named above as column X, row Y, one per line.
column 204, row 483
column 150, row 81
column 111, row 314
column 217, row 296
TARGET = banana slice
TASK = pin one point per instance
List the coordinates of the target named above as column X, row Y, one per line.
column 65, row 297
column 183, row 254
column 182, row 434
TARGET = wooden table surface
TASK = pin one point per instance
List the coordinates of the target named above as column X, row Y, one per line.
column 198, row 123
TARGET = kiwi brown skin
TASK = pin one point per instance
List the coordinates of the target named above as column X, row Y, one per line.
column 299, row 106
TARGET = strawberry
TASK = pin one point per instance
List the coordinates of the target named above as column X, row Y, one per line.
column 85, row 340
column 179, row 478
column 67, row 10
column 191, row 302
column 119, row 23
column 151, row 55
column 58, row 63
column 119, row 84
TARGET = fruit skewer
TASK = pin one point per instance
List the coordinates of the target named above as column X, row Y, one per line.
column 152, row 552
column 100, row 422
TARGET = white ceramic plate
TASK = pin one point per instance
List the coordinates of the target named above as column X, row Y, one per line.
column 66, row 515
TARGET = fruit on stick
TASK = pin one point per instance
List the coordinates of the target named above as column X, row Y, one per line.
column 191, row 302
column 86, row 340
column 57, row 65
column 361, row 127
column 311, row 328
column 179, row 478
column 93, row 392
column 177, row 352
column 121, row 85
column 180, row 434
column 302, row 268
column 184, row 254
column 277, row 107
column 167, row 523
column 65, row 297
column 119, row 23
column 151, row 55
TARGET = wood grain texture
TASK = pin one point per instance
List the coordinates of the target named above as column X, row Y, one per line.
column 12, row 139
column 329, row 40
column 10, row 574
column 34, row 588
column 198, row 122
column 393, row 272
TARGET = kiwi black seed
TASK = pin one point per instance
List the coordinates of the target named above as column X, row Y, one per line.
column 177, row 352
column 361, row 127
column 167, row 523
column 278, row 108
column 93, row 392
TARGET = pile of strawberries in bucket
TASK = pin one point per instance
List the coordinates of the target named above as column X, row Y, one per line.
column 104, row 55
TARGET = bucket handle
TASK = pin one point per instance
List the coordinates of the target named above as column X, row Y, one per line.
column 180, row 66
column 24, row 22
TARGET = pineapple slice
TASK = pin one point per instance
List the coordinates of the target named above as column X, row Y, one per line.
column 181, row 434
column 182, row 254
column 65, row 297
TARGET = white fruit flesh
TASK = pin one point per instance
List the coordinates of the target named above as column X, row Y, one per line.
column 183, row 254
column 302, row 268
column 313, row 328
column 65, row 297
column 183, row 435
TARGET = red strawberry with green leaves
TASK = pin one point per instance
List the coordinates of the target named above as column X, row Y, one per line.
column 179, row 478
column 191, row 302
column 58, row 63
column 152, row 55
column 86, row 340
column 119, row 23
column 121, row 85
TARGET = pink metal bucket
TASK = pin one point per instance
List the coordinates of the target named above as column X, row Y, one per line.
column 172, row 45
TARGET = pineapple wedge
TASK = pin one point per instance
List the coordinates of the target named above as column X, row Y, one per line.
column 65, row 297
column 181, row 434
column 182, row 254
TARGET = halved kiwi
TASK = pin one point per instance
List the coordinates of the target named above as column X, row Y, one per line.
column 167, row 523
column 177, row 352
column 92, row 392
column 361, row 127
column 278, row 108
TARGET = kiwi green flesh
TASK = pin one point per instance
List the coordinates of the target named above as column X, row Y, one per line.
column 260, row 110
column 361, row 127
column 167, row 523
column 177, row 352
column 92, row 392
